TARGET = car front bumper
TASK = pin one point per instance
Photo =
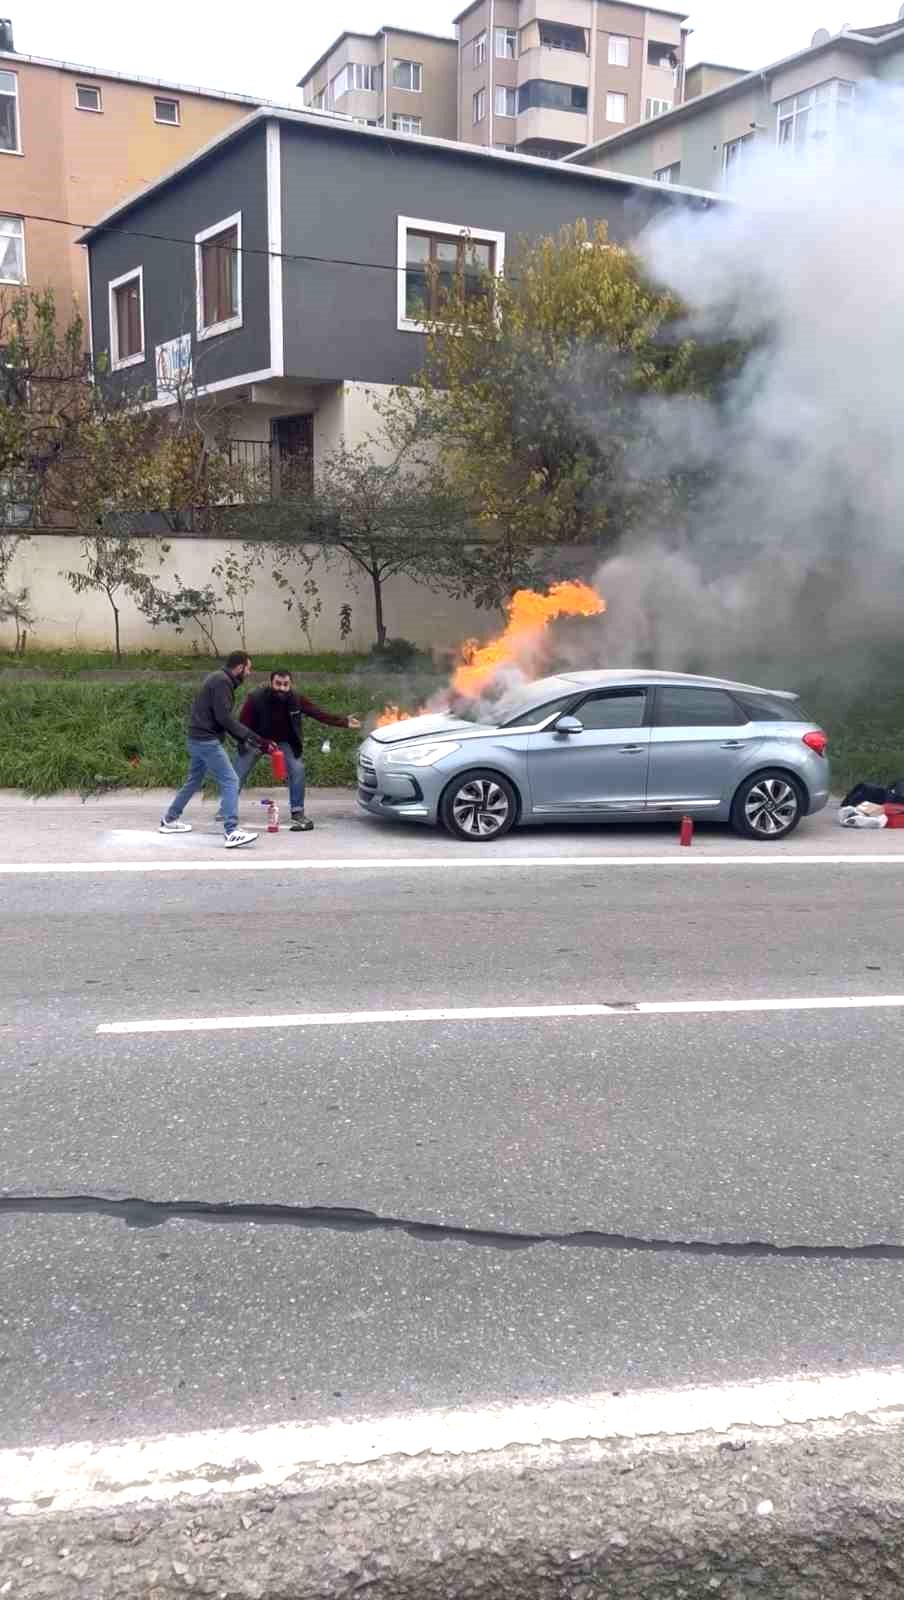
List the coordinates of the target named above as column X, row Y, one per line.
column 390, row 792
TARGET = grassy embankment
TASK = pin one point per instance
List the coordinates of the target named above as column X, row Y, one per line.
column 80, row 722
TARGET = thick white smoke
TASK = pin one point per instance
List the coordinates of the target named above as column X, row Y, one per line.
column 797, row 552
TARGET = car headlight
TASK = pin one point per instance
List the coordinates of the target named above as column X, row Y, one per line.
column 423, row 755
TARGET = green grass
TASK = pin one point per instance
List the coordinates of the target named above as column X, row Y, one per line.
column 81, row 663
column 57, row 733
column 90, row 737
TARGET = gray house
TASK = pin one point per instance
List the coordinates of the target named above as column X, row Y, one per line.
column 285, row 265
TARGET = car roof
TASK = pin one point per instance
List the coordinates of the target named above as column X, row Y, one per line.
column 613, row 677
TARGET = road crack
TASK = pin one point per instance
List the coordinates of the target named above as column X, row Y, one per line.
column 138, row 1213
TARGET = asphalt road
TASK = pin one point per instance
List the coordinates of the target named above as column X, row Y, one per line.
column 599, row 1134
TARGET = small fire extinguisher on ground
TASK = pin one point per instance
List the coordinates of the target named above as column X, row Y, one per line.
column 272, row 815
column 687, row 831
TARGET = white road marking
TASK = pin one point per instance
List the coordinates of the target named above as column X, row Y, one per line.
column 682, row 859
column 643, row 1008
column 54, row 1478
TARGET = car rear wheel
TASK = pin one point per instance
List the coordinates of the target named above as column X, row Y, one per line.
column 767, row 806
column 479, row 806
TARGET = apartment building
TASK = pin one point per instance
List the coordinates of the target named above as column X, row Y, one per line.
column 803, row 103
column 74, row 141
column 545, row 77
column 393, row 78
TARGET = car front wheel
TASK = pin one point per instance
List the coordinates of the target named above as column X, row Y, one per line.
column 767, row 806
column 479, row 806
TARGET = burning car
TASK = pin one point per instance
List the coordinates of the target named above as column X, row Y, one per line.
column 592, row 745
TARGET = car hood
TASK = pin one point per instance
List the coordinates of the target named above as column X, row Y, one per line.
column 434, row 724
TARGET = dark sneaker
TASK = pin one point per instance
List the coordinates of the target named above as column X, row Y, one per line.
column 300, row 823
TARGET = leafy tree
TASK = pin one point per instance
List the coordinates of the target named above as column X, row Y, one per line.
column 535, row 399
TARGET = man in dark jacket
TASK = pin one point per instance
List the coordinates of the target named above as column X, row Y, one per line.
column 210, row 719
column 274, row 715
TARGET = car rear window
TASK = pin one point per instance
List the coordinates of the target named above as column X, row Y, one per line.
column 678, row 706
column 763, row 708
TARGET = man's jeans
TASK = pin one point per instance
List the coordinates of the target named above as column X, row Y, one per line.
column 294, row 767
column 209, row 756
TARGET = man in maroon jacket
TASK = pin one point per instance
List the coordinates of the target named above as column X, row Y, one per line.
column 274, row 715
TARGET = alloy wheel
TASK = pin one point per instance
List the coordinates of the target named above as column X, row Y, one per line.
column 771, row 807
column 480, row 808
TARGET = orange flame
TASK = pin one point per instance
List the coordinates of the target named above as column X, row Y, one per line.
column 529, row 615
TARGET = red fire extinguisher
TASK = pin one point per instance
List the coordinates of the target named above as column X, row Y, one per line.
column 687, row 831
column 278, row 766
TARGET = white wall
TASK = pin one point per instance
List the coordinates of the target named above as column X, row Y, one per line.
column 65, row 620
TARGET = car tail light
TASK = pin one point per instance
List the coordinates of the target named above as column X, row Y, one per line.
column 817, row 741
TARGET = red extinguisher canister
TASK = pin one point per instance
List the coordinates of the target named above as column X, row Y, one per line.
column 686, row 836
column 278, row 766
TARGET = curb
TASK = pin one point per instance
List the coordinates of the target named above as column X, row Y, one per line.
column 812, row 1512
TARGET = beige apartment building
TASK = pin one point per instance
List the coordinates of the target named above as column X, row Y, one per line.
column 389, row 79
column 545, row 77
column 803, row 104
column 73, row 142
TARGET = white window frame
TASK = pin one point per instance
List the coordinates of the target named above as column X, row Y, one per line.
column 400, row 117
column 813, row 101
column 117, row 364
column 479, row 107
column 14, row 96
column 13, row 216
column 480, row 49
column 617, row 39
column 506, row 34
column 617, row 94
column 664, row 174
column 743, row 144
column 92, row 88
column 168, row 100
column 502, row 100
column 216, row 328
column 649, row 115
column 451, row 230
column 403, row 61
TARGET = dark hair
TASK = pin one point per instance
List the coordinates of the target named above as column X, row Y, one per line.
column 236, row 658
column 281, row 672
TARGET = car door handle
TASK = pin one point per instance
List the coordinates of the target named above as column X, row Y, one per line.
column 632, row 749
column 733, row 744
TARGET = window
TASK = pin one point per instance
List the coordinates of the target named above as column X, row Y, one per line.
column 506, row 101
column 12, row 250
column 616, row 108
column 355, row 75
column 562, row 36
column 662, row 55
column 403, row 124
column 436, row 259
column 87, row 97
column 656, row 108
column 127, row 319
column 480, row 49
column 408, row 75
column 679, row 707
column 735, row 152
column 319, row 100
column 815, row 114
column 552, row 96
column 9, row 112
column 619, row 50
column 528, row 719
column 622, row 708
column 506, row 43
column 762, row 708
column 166, row 111
column 480, row 105
column 670, row 174
column 218, row 268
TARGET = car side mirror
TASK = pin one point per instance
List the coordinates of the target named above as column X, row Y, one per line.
column 568, row 725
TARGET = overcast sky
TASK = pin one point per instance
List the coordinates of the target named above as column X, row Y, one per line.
column 232, row 45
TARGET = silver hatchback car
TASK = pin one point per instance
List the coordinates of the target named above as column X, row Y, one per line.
column 591, row 745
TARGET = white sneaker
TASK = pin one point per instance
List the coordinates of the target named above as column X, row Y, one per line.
column 174, row 827
column 234, row 841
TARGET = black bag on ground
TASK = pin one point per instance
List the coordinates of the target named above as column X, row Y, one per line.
column 872, row 792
